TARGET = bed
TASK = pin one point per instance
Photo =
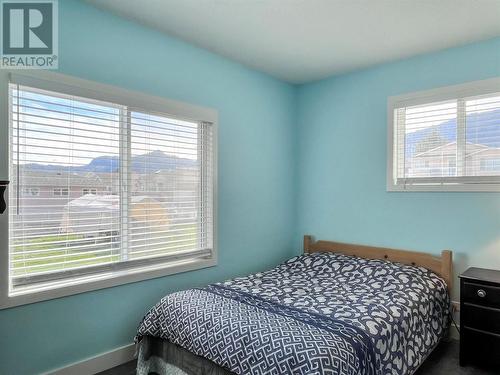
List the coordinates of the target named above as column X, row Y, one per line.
column 336, row 309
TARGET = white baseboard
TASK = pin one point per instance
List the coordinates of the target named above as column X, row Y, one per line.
column 98, row 363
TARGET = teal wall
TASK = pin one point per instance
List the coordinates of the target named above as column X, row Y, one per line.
column 292, row 160
column 341, row 144
column 256, row 114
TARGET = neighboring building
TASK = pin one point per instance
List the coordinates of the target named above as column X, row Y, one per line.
column 480, row 160
column 45, row 196
column 40, row 196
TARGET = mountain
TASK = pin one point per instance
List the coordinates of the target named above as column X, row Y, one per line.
column 102, row 164
column 157, row 160
column 146, row 163
column 482, row 128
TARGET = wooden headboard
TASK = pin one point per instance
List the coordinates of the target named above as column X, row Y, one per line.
column 441, row 265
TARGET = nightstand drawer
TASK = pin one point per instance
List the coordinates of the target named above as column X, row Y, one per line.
column 478, row 317
column 481, row 294
column 482, row 348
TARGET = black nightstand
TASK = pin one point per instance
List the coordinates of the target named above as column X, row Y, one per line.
column 480, row 317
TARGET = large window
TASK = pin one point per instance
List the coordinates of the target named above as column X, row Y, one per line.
column 446, row 139
column 119, row 189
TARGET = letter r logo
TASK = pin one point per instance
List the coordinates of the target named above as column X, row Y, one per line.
column 27, row 28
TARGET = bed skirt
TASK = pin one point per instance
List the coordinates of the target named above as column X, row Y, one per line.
column 158, row 356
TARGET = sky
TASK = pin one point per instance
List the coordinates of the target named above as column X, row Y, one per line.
column 62, row 129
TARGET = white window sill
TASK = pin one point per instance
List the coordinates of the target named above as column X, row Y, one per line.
column 464, row 188
column 52, row 290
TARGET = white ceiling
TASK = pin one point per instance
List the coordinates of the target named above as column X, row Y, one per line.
column 304, row 40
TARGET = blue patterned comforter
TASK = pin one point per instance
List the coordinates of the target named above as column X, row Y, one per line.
column 322, row 313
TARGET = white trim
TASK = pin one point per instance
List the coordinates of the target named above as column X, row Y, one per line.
column 89, row 283
column 391, row 151
column 5, row 150
column 79, row 87
column 464, row 90
column 98, row 363
column 62, row 83
column 438, row 187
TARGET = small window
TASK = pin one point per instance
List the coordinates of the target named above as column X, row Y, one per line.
column 31, row 192
column 89, row 191
column 61, row 192
column 447, row 139
column 490, row 164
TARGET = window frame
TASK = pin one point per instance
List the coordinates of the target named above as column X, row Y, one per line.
column 457, row 184
column 60, row 192
column 57, row 82
column 36, row 192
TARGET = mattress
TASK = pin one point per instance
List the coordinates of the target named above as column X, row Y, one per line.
column 321, row 313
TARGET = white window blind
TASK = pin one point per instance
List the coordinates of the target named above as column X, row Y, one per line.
column 118, row 187
column 447, row 143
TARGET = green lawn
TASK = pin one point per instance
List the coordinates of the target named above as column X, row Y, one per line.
column 29, row 263
column 48, row 261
